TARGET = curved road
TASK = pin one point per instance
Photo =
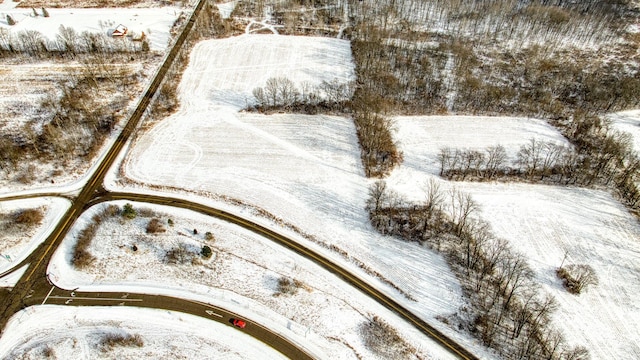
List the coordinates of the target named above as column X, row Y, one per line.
column 33, row 288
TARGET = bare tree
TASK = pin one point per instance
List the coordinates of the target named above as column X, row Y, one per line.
column 6, row 42
column 31, row 41
column 260, row 96
column 577, row 277
column 496, row 158
column 444, row 158
column 377, row 193
column 434, row 199
column 287, row 91
column 530, row 157
column 462, row 207
column 67, row 39
column 552, row 153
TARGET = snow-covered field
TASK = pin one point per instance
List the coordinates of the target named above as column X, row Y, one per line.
column 304, row 169
column 628, row 122
column 15, row 247
column 424, row 136
column 242, row 274
column 155, row 22
column 65, row 332
column 544, row 223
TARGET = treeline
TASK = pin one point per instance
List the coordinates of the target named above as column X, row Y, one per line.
column 536, row 161
column 282, row 94
column 68, row 42
column 599, row 157
column 508, row 310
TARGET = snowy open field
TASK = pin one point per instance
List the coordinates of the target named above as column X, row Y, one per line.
column 544, row 222
column 629, row 122
column 429, row 134
column 66, row 332
column 304, row 169
column 155, row 22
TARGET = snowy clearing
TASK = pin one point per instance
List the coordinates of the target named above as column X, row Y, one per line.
column 243, row 273
column 422, row 137
column 544, row 222
column 629, row 122
column 225, row 71
column 304, row 169
column 69, row 332
column 155, row 22
column 14, row 247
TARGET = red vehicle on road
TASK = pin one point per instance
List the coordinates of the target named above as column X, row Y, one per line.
column 238, row 323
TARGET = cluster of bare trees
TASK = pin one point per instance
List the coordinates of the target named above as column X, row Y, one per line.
column 68, row 41
column 509, row 311
column 536, row 161
column 378, row 149
column 72, row 122
column 508, row 22
column 280, row 93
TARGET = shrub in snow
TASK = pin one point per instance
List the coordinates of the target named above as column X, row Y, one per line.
column 29, row 217
column 576, row 278
column 111, row 340
column 288, row 286
column 206, row 252
column 179, row 255
column 155, row 226
column 48, row 352
column 129, row 212
column 383, row 340
column 209, row 236
column 10, row 20
column 45, row 13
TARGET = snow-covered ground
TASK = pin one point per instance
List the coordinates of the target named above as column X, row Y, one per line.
column 628, row 122
column 8, row 4
column 424, row 136
column 544, row 223
column 241, row 275
column 26, row 82
column 155, row 22
column 65, row 332
column 15, row 247
column 304, row 169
